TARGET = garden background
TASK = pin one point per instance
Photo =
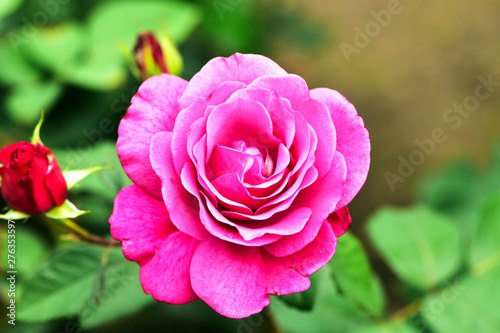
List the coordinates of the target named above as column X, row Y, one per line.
column 422, row 254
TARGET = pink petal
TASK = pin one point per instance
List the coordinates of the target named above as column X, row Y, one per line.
column 182, row 206
column 281, row 276
column 199, row 154
column 321, row 197
column 294, row 89
column 353, row 140
column 239, row 67
column 212, row 222
column 281, row 203
column 226, row 160
column 229, row 278
column 253, row 177
column 167, row 275
column 287, row 223
column 182, row 128
column 288, row 274
column 283, row 121
column 154, row 109
column 317, row 253
column 340, row 221
column 185, row 125
column 140, row 222
column 241, row 120
column 231, row 188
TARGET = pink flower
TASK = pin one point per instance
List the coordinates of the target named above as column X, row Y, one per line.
column 241, row 180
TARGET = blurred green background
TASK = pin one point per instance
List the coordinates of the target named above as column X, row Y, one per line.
column 403, row 77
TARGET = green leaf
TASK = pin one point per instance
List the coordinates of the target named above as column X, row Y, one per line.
column 330, row 314
column 66, row 276
column 66, row 211
column 225, row 27
column 305, row 300
column 450, row 189
column 62, row 287
column 73, row 177
column 121, row 296
column 352, row 272
column 14, row 68
column 94, row 74
column 8, row 6
column 421, row 246
column 55, row 47
column 484, row 247
column 31, row 250
column 26, row 101
column 471, row 305
column 114, row 22
column 14, row 215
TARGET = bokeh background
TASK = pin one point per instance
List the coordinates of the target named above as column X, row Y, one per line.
column 64, row 56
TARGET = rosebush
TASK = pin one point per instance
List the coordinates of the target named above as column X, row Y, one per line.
column 241, row 180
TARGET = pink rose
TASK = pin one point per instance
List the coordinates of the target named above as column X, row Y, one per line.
column 241, row 180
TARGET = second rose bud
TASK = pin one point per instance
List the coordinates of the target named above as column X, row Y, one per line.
column 156, row 54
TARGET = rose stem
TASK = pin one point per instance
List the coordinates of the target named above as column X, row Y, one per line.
column 84, row 235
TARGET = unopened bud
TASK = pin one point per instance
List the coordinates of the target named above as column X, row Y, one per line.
column 155, row 56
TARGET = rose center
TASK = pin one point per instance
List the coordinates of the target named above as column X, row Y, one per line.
column 261, row 156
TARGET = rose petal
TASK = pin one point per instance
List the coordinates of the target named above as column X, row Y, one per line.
column 185, row 128
column 229, row 278
column 241, row 120
column 317, row 253
column 182, row 206
column 283, row 121
column 167, row 275
column 199, row 153
column 340, row 221
column 288, row 274
column 154, row 109
column 239, row 67
column 330, row 190
column 353, row 140
column 56, row 184
column 140, row 222
column 226, row 160
column 281, row 276
column 35, row 181
column 294, row 89
column 215, row 227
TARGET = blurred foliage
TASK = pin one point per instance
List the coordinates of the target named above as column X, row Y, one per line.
column 64, row 57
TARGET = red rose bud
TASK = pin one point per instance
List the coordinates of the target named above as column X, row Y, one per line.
column 32, row 181
column 154, row 56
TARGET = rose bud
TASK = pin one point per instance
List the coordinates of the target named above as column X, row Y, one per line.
column 32, row 181
column 154, row 56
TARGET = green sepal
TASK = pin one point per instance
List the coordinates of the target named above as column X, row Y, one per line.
column 36, row 133
column 73, row 177
column 14, row 215
column 66, row 211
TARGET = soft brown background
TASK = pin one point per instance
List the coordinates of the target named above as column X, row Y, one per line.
column 427, row 59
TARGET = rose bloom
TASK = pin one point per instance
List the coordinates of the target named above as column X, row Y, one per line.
column 241, row 180
column 32, row 181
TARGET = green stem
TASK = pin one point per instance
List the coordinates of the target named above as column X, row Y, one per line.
column 406, row 311
column 84, row 235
